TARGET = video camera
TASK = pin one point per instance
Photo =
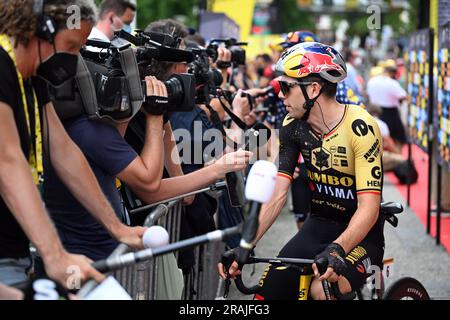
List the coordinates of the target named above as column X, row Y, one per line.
column 206, row 79
column 237, row 53
column 106, row 69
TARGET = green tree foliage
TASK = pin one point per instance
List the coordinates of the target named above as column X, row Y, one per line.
column 292, row 18
column 151, row 10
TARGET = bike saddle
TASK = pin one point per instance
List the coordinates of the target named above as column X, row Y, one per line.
column 389, row 208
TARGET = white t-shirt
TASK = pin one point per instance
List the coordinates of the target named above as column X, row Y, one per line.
column 384, row 129
column 97, row 35
column 385, row 92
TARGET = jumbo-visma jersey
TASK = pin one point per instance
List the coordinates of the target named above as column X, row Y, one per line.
column 347, row 162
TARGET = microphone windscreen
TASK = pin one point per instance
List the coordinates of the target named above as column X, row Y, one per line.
column 275, row 85
column 155, row 237
column 261, row 181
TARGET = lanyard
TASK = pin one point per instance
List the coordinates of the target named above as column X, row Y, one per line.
column 35, row 156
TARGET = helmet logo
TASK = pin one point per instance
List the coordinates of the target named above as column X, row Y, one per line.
column 315, row 62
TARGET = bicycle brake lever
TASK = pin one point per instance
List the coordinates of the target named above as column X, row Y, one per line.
column 226, row 289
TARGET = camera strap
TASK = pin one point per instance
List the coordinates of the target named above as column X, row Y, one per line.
column 129, row 66
column 218, row 124
column 35, row 155
column 241, row 124
column 86, row 87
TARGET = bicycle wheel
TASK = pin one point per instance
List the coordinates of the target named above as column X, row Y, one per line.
column 406, row 289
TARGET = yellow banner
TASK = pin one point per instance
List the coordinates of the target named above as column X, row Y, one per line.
column 258, row 44
column 241, row 11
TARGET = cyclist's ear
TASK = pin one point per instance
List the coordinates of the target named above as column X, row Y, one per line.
column 314, row 89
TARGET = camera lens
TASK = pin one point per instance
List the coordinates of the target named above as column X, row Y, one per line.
column 215, row 77
column 175, row 90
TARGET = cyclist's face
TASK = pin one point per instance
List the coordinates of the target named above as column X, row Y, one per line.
column 292, row 97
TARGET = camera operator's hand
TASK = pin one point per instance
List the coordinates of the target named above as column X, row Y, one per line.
column 59, row 267
column 223, row 58
column 131, row 236
column 156, row 101
column 233, row 161
column 241, row 105
column 258, row 94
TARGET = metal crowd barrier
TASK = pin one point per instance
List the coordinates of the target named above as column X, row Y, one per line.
column 141, row 281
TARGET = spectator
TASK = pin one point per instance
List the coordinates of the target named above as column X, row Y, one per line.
column 353, row 80
column 114, row 15
column 385, row 91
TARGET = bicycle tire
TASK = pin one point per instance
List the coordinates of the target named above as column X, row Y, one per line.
column 406, row 288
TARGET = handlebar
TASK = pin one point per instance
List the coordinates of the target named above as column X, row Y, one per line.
column 229, row 256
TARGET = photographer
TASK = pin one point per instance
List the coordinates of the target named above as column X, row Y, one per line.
column 109, row 156
column 30, row 48
column 162, row 70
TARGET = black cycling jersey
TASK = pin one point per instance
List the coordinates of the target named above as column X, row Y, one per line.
column 340, row 165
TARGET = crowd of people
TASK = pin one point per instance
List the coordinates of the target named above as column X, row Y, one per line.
column 67, row 181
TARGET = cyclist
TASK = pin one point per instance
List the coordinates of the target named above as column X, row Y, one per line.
column 344, row 95
column 341, row 146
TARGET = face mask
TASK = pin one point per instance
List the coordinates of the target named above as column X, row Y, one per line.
column 260, row 71
column 58, row 68
column 127, row 28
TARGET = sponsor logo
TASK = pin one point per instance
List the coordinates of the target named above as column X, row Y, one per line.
column 264, row 275
column 335, row 192
column 344, row 163
column 321, row 62
column 332, row 137
column 333, row 149
column 361, row 268
column 320, row 158
column 360, row 128
column 301, row 293
column 364, row 266
column 342, row 150
column 329, row 179
column 376, row 172
column 356, row 254
column 374, row 183
column 161, row 101
column 287, row 120
column 375, row 150
column 330, row 204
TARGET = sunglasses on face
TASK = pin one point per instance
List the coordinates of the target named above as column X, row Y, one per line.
column 285, row 86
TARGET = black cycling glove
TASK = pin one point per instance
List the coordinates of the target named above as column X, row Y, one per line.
column 334, row 254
